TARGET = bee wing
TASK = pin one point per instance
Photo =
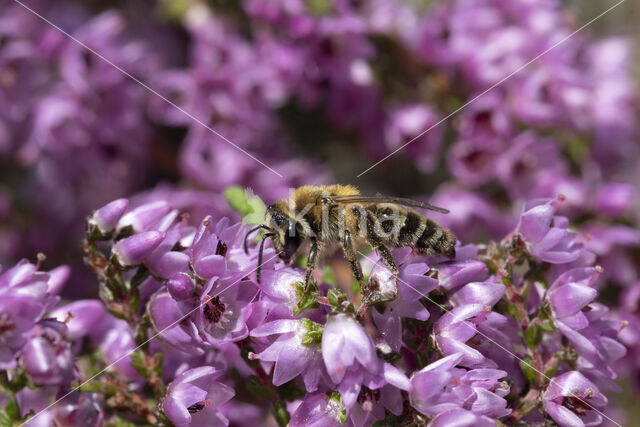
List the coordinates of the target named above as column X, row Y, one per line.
column 386, row 199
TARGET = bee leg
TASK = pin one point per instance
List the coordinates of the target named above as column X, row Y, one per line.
column 372, row 294
column 351, row 256
column 312, row 262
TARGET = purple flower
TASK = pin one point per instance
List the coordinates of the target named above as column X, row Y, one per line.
column 24, row 298
column 570, row 399
column 346, row 347
column 81, row 317
column 133, row 250
column 225, row 310
column 441, row 387
column 528, row 162
column 170, row 319
column 471, row 216
column 279, row 289
column 570, row 293
column 452, row 331
column 319, row 410
column 114, row 338
column 106, row 218
column 84, row 411
column 181, row 286
column 194, row 396
column 413, row 284
column 546, row 235
column 461, row 418
column 47, row 356
column 405, row 124
column 143, row 217
column 291, row 352
column 452, row 275
column 485, row 293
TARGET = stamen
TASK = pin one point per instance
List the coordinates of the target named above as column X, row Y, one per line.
column 214, row 309
column 199, row 406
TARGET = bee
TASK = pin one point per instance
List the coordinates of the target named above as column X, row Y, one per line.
column 323, row 214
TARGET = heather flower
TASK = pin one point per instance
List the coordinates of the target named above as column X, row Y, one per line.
column 452, row 331
column 441, row 387
column 319, row 410
column 81, row 317
column 114, row 338
column 225, row 311
column 570, row 400
column 452, row 275
column 106, row 218
column 570, row 293
column 170, row 319
column 485, row 293
column 280, row 288
column 346, row 348
column 47, row 356
column 143, row 217
column 461, row 418
column 546, row 235
column 295, row 352
column 528, row 162
column 133, row 250
column 413, row 284
column 472, row 216
column 181, row 286
column 84, row 411
column 471, row 160
column 24, row 298
column 194, row 397
column 405, row 124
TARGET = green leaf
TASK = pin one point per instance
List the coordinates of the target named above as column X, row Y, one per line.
column 19, row 381
column 290, row 391
column 282, row 415
column 137, row 361
column 313, row 334
column 547, row 325
column 11, row 412
column 250, row 206
column 533, row 335
column 526, row 366
column 335, row 396
column 318, row 7
column 256, row 387
column 355, row 286
column 308, row 299
column 237, row 199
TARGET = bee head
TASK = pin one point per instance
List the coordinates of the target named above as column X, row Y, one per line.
column 286, row 231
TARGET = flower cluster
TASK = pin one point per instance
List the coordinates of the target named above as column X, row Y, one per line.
column 42, row 343
column 506, row 332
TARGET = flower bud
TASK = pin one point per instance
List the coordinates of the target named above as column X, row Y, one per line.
column 133, row 250
column 180, row 286
column 106, row 218
column 142, row 217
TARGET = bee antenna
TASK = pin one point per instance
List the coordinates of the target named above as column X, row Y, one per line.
column 246, row 236
column 264, row 238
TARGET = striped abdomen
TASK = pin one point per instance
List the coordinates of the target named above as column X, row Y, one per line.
column 403, row 227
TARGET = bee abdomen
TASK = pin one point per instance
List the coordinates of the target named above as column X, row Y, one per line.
column 411, row 230
column 436, row 240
